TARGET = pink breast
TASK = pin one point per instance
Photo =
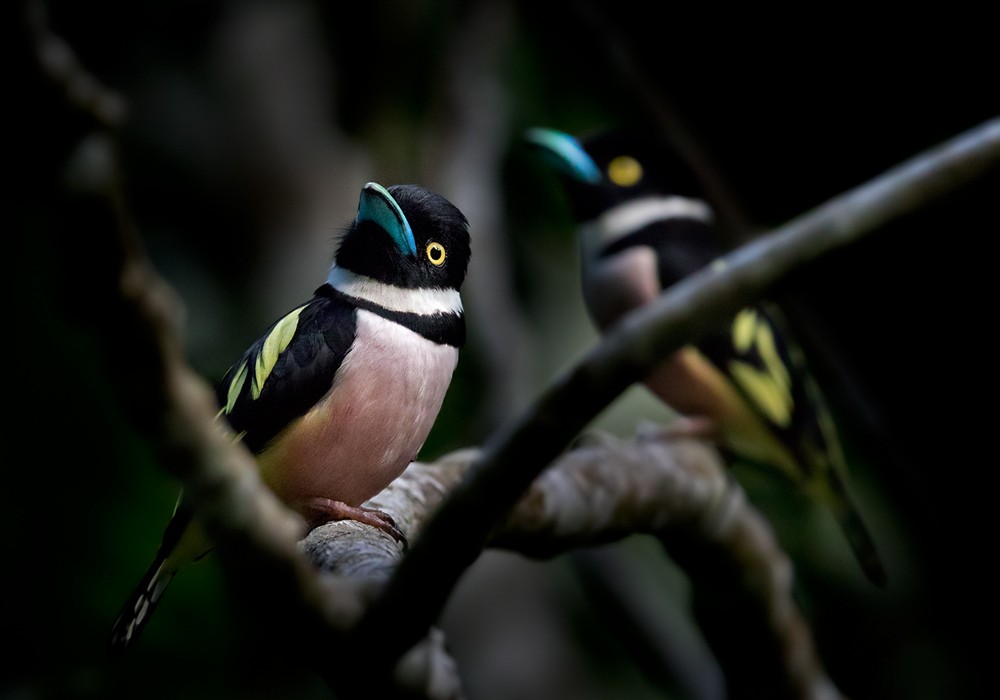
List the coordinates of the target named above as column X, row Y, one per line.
column 371, row 425
column 618, row 284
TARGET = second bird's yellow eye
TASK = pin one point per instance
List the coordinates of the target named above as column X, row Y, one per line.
column 435, row 253
column 624, row 171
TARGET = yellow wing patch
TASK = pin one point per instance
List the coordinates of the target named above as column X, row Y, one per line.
column 770, row 397
column 235, row 387
column 275, row 343
column 770, row 389
column 769, row 353
column 743, row 328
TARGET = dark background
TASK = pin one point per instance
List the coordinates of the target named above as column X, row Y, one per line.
column 252, row 127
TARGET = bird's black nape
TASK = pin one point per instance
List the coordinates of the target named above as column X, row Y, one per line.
column 367, row 249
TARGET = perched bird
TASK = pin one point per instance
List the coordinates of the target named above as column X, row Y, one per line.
column 644, row 224
column 337, row 397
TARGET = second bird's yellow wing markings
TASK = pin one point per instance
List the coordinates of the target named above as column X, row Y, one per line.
column 770, row 388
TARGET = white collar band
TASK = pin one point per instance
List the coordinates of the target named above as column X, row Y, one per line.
column 424, row 301
column 633, row 215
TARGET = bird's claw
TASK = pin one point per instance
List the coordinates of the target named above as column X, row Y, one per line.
column 319, row 511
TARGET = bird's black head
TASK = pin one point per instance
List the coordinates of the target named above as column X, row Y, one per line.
column 610, row 167
column 407, row 236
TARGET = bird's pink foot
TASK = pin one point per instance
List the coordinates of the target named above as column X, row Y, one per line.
column 318, row 511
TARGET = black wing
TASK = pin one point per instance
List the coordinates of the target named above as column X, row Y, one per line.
column 288, row 369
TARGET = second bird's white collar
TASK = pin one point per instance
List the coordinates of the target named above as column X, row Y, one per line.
column 631, row 216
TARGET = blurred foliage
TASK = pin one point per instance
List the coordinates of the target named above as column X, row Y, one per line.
column 252, row 127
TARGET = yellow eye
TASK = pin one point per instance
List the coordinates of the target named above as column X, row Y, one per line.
column 624, row 171
column 435, row 253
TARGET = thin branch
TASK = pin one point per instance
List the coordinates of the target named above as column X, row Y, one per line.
column 170, row 403
column 645, row 624
column 599, row 492
column 517, row 453
column 62, row 68
column 220, row 476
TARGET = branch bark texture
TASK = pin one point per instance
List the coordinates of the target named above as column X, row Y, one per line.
column 601, row 491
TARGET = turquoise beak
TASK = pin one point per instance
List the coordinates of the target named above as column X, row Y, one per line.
column 565, row 153
column 377, row 205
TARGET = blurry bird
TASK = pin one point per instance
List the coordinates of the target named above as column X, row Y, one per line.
column 644, row 224
column 338, row 396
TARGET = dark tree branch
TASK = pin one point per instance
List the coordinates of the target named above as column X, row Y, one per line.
column 599, row 492
column 517, row 453
column 62, row 68
column 644, row 623
column 171, row 404
column 220, row 476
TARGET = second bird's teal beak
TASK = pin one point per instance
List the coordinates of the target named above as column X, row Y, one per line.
column 565, row 153
column 378, row 206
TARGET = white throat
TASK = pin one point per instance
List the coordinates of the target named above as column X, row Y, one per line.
column 424, row 301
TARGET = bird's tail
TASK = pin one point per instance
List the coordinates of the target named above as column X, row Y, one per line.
column 139, row 605
column 183, row 542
